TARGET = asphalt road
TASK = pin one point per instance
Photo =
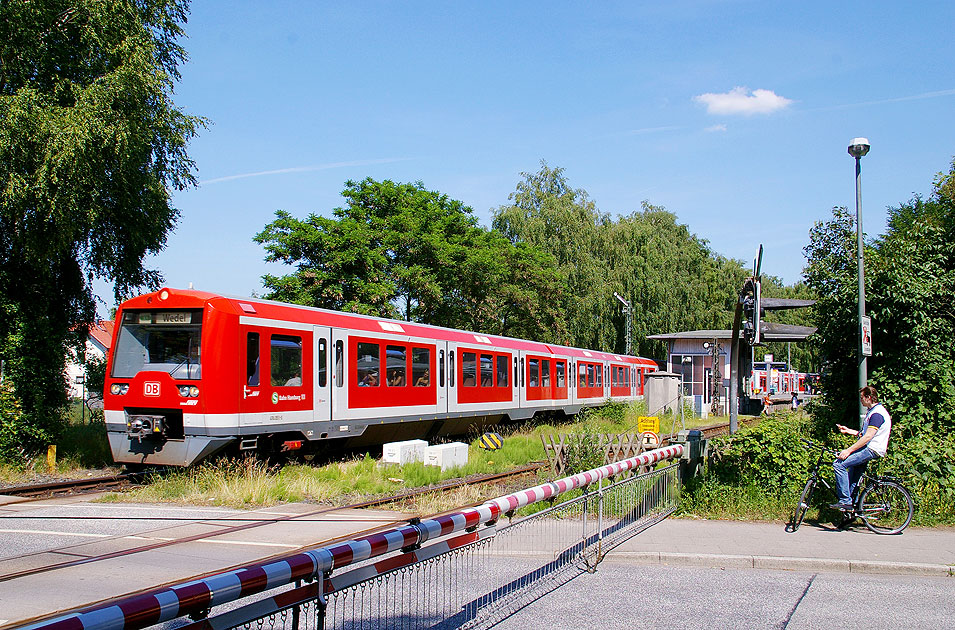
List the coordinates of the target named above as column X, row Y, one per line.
column 619, row 595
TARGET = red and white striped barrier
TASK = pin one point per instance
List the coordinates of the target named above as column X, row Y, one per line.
column 198, row 596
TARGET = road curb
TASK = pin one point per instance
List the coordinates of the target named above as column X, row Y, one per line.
column 829, row 565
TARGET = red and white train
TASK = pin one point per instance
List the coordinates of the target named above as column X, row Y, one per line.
column 193, row 373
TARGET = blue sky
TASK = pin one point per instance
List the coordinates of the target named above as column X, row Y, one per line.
column 734, row 115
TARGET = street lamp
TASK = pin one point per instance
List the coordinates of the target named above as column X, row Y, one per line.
column 858, row 147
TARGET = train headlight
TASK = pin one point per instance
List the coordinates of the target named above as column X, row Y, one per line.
column 194, row 391
column 119, row 389
column 188, row 391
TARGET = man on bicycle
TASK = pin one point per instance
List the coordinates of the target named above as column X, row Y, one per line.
column 872, row 443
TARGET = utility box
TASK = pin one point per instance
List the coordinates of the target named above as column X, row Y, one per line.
column 447, row 455
column 662, row 390
column 404, row 452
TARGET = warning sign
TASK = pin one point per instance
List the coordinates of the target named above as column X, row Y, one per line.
column 650, row 440
column 648, row 423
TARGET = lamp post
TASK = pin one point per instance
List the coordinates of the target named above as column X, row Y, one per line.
column 858, row 147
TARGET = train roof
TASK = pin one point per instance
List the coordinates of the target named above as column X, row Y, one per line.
column 168, row 297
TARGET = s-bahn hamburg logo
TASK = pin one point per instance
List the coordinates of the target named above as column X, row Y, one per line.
column 150, row 388
column 275, row 398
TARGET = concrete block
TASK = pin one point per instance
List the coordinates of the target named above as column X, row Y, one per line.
column 404, row 452
column 447, row 455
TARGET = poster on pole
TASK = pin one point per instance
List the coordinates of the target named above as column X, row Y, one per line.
column 866, row 336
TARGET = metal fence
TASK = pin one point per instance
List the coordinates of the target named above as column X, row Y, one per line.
column 478, row 578
column 467, row 569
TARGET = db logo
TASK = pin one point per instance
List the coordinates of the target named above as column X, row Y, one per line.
column 150, row 389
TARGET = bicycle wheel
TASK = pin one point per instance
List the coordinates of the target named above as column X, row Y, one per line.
column 803, row 504
column 886, row 507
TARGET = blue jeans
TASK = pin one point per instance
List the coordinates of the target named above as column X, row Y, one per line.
column 849, row 470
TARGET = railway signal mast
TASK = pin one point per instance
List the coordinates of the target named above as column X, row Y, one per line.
column 628, row 311
column 747, row 304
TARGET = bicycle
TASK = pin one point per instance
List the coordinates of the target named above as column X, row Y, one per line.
column 882, row 502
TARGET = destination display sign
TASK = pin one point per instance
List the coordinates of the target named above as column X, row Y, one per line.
column 165, row 317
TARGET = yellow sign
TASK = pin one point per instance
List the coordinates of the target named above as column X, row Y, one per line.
column 648, row 423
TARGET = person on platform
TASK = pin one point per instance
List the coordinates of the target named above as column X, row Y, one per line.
column 872, row 443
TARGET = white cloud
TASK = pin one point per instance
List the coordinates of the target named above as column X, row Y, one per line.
column 740, row 101
column 715, row 128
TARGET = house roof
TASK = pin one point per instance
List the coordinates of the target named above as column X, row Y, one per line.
column 101, row 334
column 769, row 331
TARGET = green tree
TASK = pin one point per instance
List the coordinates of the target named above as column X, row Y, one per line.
column 90, row 146
column 402, row 251
column 635, row 255
column 547, row 214
column 910, row 274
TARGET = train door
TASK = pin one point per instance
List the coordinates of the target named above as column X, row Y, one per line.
column 338, row 357
column 252, row 403
column 322, row 381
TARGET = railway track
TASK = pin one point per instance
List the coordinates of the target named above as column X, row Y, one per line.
column 399, row 497
column 130, row 479
column 74, row 486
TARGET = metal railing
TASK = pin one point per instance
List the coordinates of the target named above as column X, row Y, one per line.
column 442, row 572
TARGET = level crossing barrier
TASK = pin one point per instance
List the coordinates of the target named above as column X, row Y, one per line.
column 442, row 572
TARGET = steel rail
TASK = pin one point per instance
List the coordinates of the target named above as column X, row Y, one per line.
column 53, row 488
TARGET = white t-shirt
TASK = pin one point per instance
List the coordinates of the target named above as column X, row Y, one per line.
column 878, row 417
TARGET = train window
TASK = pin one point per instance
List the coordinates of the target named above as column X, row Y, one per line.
column 582, row 369
column 165, row 341
column 441, row 368
column 368, row 365
column 545, row 373
column 322, row 362
column 286, row 359
column 559, row 372
column 252, row 359
column 487, row 370
column 533, row 373
column 590, row 375
column 522, row 372
column 598, row 373
column 396, row 366
column 501, row 371
column 339, row 363
column 421, row 367
column 515, row 370
column 451, row 368
column 469, row 369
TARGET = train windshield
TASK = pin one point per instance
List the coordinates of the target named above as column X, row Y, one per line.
column 165, row 341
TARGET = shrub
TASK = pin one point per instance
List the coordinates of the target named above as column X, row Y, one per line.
column 18, row 437
column 767, row 455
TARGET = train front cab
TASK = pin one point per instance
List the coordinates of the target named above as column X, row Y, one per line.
column 155, row 396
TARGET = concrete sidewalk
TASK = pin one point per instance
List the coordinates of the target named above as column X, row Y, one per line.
column 814, row 547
